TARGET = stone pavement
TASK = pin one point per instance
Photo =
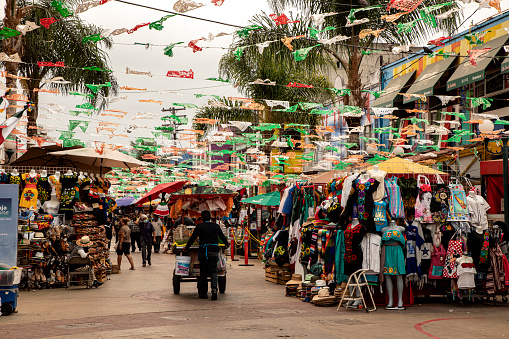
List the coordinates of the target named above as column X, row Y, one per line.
column 141, row 304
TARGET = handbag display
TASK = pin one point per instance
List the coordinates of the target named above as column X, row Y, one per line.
column 436, row 269
column 458, row 209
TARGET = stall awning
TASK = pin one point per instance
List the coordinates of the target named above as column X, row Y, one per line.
column 392, row 89
column 428, row 78
column 466, row 73
column 504, row 68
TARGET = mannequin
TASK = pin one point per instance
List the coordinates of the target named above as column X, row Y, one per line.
column 81, row 176
column 56, row 186
column 57, row 175
column 15, row 172
column 378, row 175
column 44, row 174
column 32, row 173
column 393, row 243
column 69, row 172
column 51, row 206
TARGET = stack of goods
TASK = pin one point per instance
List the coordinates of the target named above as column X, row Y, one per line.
column 293, row 285
column 306, row 286
column 85, row 223
column 278, row 274
column 323, row 298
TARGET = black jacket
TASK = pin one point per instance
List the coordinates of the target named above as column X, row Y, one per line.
column 208, row 234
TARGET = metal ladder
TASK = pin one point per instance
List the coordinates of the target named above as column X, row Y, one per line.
column 357, row 280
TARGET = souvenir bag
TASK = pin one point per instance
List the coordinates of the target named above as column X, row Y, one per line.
column 454, row 251
column 423, row 202
column 440, row 201
column 458, row 209
column 436, row 269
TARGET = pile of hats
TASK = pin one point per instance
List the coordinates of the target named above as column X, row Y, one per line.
column 323, row 298
column 293, row 285
column 304, row 292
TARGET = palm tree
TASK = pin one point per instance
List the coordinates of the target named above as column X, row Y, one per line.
column 61, row 42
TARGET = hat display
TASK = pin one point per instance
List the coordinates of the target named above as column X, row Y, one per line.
column 308, row 277
column 84, row 241
column 323, row 298
column 38, row 235
column 320, row 283
column 296, row 279
column 25, row 215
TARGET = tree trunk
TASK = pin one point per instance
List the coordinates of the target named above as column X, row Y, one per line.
column 33, row 96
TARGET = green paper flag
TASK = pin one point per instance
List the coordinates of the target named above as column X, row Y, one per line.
column 430, row 19
column 341, row 92
column 6, row 33
column 84, row 126
column 92, row 38
column 168, row 50
column 350, row 109
column 87, row 106
column 331, row 148
column 72, row 143
column 207, row 95
column 265, row 127
column 95, row 68
column 301, row 54
column 460, row 115
column 376, row 94
column 485, row 102
column 475, row 38
column 244, row 32
column 86, row 95
column 73, row 124
column 158, row 25
column 218, row 79
column 239, row 51
column 350, row 144
column 66, row 135
column 61, row 8
column 291, row 109
column 76, row 113
column 407, row 27
column 313, row 32
column 366, row 52
column 96, row 88
column 441, row 53
column 351, row 16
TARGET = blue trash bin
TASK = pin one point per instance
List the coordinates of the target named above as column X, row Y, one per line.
column 9, row 290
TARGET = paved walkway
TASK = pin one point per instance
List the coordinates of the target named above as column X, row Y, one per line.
column 141, row 304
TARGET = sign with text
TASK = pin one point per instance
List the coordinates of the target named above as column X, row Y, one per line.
column 8, row 224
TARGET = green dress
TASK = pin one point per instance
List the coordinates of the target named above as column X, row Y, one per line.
column 394, row 256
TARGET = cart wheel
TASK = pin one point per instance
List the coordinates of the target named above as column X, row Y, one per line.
column 7, row 309
column 504, row 299
column 176, row 283
column 221, row 281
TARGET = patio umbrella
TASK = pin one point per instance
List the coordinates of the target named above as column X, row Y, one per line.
column 107, row 158
column 168, row 187
column 267, row 199
column 125, row 201
column 405, row 168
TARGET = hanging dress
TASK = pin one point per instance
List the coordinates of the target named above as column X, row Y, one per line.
column 393, row 243
column 15, row 180
column 69, row 186
column 29, row 195
column 353, row 250
column 393, row 192
column 409, row 193
column 56, row 186
column 454, row 251
column 44, row 189
column 361, row 201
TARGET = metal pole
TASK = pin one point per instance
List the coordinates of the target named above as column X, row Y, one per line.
column 506, row 183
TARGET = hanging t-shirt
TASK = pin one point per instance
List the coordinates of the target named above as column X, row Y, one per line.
column 370, row 245
column 379, row 176
column 466, row 272
column 478, row 207
column 380, row 215
column 414, row 241
column 347, row 187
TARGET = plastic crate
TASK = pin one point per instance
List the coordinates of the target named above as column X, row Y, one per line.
column 10, row 277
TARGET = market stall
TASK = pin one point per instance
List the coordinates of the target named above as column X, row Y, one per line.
column 412, row 230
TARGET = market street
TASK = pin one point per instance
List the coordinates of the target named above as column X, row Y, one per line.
column 141, row 304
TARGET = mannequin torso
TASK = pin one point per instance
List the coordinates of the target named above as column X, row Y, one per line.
column 378, row 175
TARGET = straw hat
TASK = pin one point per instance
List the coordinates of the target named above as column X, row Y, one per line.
column 308, row 222
column 296, row 279
column 84, row 241
column 320, row 283
column 324, row 298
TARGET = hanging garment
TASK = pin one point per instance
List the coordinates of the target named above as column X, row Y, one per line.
column 56, row 186
column 393, row 193
column 409, row 193
column 454, row 251
column 380, row 215
column 353, row 251
column 69, row 189
column 340, row 258
column 379, row 176
column 15, row 180
column 30, row 193
column 495, row 281
column 423, row 202
column 44, row 189
column 393, row 257
column 477, row 208
column 426, row 248
column 440, row 203
column 361, row 200
column 466, row 272
column 413, row 254
column 347, row 188
column 458, row 209
column 371, row 247
column 436, row 270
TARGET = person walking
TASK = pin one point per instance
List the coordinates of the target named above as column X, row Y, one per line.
column 147, row 238
column 158, row 227
column 135, row 233
column 209, row 234
column 124, row 244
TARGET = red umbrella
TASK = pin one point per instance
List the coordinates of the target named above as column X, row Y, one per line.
column 169, row 187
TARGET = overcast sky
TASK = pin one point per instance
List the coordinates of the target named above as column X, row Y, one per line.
column 114, row 15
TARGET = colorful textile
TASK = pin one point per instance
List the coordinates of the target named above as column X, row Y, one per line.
column 380, row 215
column 393, row 193
column 393, row 242
column 454, row 251
column 29, row 195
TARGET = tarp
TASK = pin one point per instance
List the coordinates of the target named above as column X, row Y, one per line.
column 405, row 168
column 466, row 73
column 267, row 199
column 386, row 100
column 425, row 83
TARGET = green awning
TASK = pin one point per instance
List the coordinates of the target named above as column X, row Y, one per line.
column 267, row 199
column 426, row 81
column 386, row 100
column 504, row 68
column 466, row 73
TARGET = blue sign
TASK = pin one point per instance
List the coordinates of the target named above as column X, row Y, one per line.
column 9, row 224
